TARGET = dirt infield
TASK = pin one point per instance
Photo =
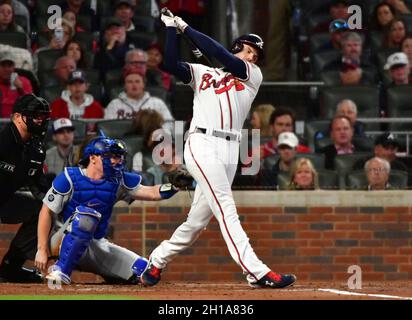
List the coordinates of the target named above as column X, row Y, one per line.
column 215, row 291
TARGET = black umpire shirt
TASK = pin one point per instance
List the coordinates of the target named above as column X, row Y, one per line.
column 20, row 164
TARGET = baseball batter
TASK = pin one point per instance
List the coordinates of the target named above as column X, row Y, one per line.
column 84, row 198
column 222, row 100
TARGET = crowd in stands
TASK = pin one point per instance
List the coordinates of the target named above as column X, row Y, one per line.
column 104, row 62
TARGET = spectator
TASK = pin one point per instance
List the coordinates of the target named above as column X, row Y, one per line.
column 124, row 10
column 137, row 58
column 7, row 23
column 399, row 69
column 382, row 16
column 377, row 172
column 406, row 48
column 145, row 123
column 386, row 147
column 338, row 10
column 72, row 18
column 80, row 8
column 341, row 135
column 352, row 51
column 158, row 171
column 348, row 109
column 261, row 117
column 135, row 98
column 154, row 68
column 113, row 46
column 337, row 30
column 281, row 120
column 400, row 6
column 287, row 153
column 303, row 175
column 12, row 85
column 351, row 74
column 63, row 153
column 74, row 49
column 394, row 34
column 74, row 102
column 63, row 67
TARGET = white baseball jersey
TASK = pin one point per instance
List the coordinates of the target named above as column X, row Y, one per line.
column 222, row 101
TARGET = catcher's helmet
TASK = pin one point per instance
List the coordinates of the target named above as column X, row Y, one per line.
column 250, row 39
column 107, row 148
column 33, row 107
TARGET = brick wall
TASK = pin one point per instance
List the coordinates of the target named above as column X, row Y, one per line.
column 316, row 235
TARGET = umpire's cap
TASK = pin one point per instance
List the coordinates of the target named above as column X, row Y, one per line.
column 250, row 39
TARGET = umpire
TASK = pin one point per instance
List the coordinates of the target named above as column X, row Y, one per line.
column 22, row 154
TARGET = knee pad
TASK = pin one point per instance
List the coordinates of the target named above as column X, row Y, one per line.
column 78, row 234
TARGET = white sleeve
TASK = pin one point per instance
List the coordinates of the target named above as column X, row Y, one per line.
column 56, row 201
column 254, row 78
column 111, row 110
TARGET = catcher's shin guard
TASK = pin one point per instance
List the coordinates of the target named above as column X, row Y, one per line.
column 78, row 235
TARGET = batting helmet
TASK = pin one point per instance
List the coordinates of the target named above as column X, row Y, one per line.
column 250, row 39
column 33, row 107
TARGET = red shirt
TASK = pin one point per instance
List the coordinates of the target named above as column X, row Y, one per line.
column 59, row 109
column 8, row 96
column 195, row 7
column 269, row 149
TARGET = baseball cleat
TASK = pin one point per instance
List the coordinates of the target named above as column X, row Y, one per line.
column 58, row 277
column 274, row 280
column 151, row 275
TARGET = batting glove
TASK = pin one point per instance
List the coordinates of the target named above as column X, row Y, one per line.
column 180, row 24
column 168, row 21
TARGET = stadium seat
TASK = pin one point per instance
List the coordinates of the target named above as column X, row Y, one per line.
column 47, row 59
column 315, row 19
column 115, row 128
column 328, row 179
column 399, row 105
column 332, row 77
column 365, row 97
column 85, row 22
column 357, row 180
column 14, row 39
column 85, row 39
column 159, row 93
column 113, row 77
column 51, row 93
column 141, row 40
column 344, row 164
column 320, row 60
column 270, row 161
column 144, row 23
column 311, row 128
column 134, row 144
column 29, row 75
column 21, row 21
column 375, row 40
column 242, row 182
column 317, row 41
column 407, row 18
column 322, row 143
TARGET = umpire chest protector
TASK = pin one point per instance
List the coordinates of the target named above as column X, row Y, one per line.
column 99, row 195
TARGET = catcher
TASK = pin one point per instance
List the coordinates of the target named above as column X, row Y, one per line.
column 84, row 197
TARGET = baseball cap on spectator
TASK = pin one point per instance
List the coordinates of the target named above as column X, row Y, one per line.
column 131, row 69
column 77, row 75
column 396, row 60
column 288, row 139
column 113, row 21
column 62, row 123
column 386, row 140
column 127, row 2
column 338, row 25
column 6, row 56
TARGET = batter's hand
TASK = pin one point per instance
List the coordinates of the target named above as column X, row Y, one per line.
column 180, row 24
column 168, row 21
column 40, row 261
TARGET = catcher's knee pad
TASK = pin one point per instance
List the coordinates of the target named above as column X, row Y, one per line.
column 78, row 234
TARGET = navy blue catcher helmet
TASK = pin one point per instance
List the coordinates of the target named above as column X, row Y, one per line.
column 250, row 39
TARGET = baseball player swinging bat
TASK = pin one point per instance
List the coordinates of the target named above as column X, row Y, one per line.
column 195, row 50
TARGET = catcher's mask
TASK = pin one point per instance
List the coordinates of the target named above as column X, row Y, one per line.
column 108, row 149
column 36, row 111
column 252, row 40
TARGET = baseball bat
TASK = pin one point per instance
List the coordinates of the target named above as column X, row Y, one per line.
column 192, row 46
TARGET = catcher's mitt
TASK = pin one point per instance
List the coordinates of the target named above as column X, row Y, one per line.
column 180, row 178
